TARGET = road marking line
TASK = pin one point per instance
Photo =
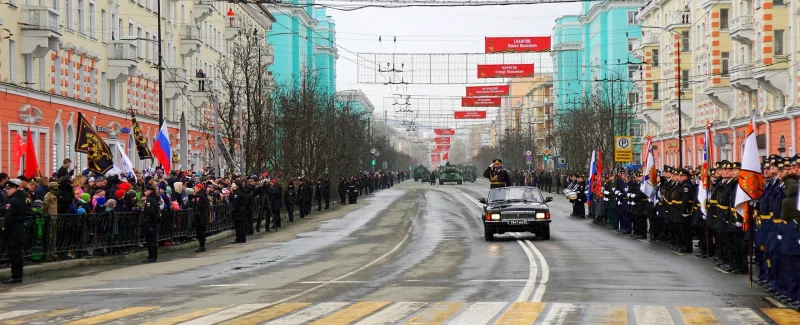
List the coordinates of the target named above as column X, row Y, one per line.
column 782, row 316
column 521, row 313
column 17, row 313
column 114, row 315
column 266, row 314
column 775, row 302
column 533, row 271
column 614, row 315
column 34, row 317
column 644, row 241
column 351, row 313
column 392, row 314
column 652, row 315
column 373, row 262
column 501, row 280
column 539, row 293
column 677, row 253
column 559, row 313
column 184, row 317
column 480, row 313
column 742, row 316
column 436, row 314
column 227, row 314
column 720, row 270
column 227, row 285
column 309, row 314
column 330, row 282
column 75, row 291
column 697, row 315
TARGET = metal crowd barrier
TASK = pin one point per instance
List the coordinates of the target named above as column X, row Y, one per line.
column 99, row 234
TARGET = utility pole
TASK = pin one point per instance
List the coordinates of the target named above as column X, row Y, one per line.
column 160, row 68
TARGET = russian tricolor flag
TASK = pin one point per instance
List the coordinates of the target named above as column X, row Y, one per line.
column 161, row 149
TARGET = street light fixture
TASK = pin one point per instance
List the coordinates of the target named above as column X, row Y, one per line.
column 680, row 91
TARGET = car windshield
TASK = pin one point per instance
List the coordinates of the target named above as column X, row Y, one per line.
column 519, row 194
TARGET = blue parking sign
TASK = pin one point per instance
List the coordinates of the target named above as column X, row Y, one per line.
column 561, row 162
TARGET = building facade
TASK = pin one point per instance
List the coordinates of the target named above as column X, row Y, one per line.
column 538, row 112
column 593, row 54
column 58, row 58
column 731, row 59
column 304, row 39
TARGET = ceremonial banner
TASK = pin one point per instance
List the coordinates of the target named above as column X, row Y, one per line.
column 461, row 115
column 505, row 70
column 480, row 101
column 751, row 181
column 501, row 90
column 705, row 176
column 441, row 140
column 650, row 179
column 444, row 131
column 139, row 140
column 98, row 155
column 441, row 148
column 31, row 164
column 517, row 44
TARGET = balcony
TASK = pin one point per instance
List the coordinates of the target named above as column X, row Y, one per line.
column 567, row 46
column 638, row 81
column 742, row 77
column 40, row 33
column 742, row 29
column 719, row 94
column 680, row 18
column 177, row 83
column 202, row 9
column 201, row 96
column 233, row 28
column 190, row 40
column 710, row 3
column 122, row 62
column 775, row 79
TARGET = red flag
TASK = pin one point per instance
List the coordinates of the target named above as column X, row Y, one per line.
column 19, row 148
column 598, row 184
column 445, row 157
column 31, row 165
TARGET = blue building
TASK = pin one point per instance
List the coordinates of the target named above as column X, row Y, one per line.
column 594, row 46
column 304, row 39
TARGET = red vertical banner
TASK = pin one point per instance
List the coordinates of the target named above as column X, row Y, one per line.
column 519, row 44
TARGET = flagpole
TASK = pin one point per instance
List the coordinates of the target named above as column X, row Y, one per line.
column 709, row 156
column 748, row 211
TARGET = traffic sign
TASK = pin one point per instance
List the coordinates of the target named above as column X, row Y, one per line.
column 529, row 162
column 528, row 153
column 623, row 149
column 373, row 151
column 561, row 162
column 528, row 158
column 546, row 151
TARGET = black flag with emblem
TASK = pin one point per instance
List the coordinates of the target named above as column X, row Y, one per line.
column 141, row 143
column 98, row 155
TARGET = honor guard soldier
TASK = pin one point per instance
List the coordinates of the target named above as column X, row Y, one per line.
column 772, row 254
column 639, row 206
column 17, row 209
column 712, row 211
column 610, row 202
column 683, row 217
column 578, row 209
column 763, row 222
column 498, row 177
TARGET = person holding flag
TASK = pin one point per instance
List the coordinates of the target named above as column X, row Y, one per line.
column 750, row 188
column 699, row 225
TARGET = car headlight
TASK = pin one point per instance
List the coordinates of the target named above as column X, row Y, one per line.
column 495, row 216
column 540, row 215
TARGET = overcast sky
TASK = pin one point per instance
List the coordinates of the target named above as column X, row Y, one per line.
column 431, row 30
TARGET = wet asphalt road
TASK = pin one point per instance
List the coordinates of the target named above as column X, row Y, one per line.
column 414, row 242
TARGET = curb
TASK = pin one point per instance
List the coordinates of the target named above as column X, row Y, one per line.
column 106, row 260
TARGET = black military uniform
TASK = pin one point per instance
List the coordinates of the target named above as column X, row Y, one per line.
column 201, row 206
column 17, row 209
column 638, row 209
column 578, row 209
column 352, row 191
column 151, row 216
column 290, row 198
column 318, row 194
column 342, row 189
column 683, row 217
column 275, row 193
column 249, row 204
column 238, row 209
column 326, row 192
column 498, row 177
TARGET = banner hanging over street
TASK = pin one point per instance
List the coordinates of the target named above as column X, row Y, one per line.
column 441, row 140
column 517, row 44
column 499, row 90
column 466, row 115
column 480, row 101
column 505, row 70
column 444, row 131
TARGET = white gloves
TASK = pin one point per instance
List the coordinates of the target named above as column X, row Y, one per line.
column 685, row 215
column 605, row 192
column 738, row 224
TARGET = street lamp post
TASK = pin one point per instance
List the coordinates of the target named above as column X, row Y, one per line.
column 680, row 91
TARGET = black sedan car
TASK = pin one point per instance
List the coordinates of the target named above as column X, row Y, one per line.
column 516, row 209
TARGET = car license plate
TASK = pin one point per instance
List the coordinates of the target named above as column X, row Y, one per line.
column 517, row 222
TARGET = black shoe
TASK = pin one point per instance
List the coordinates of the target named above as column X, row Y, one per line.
column 258, row 230
column 149, row 261
column 200, row 250
column 12, row 280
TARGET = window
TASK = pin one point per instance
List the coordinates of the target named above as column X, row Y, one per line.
column 685, row 41
column 130, row 29
column 68, row 9
column 103, row 26
column 155, row 48
column 147, row 50
column 685, row 79
column 726, row 58
column 779, row 42
column 655, row 58
column 81, row 20
column 632, row 69
column 91, row 21
column 139, row 47
column 723, row 18
column 631, row 17
column 631, row 44
column 655, row 90
column 777, row 2
column 758, row 46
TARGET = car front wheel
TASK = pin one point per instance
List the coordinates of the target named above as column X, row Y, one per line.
column 488, row 234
